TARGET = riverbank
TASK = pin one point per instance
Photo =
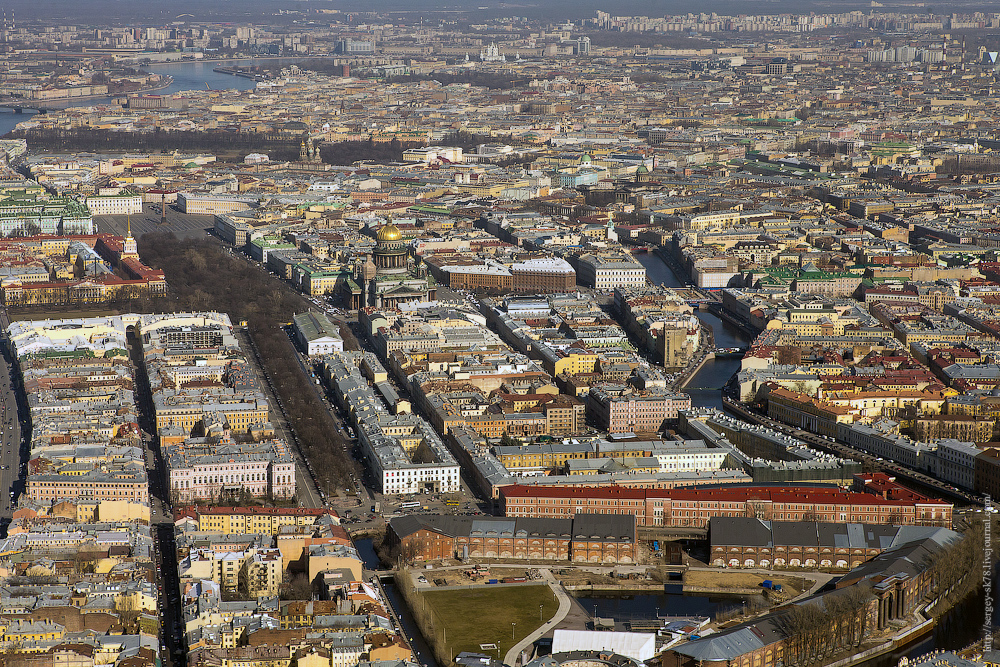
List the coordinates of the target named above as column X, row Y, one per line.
column 745, row 328
column 230, row 59
column 718, row 590
column 687, row 377
column 39, row 105
column 900, row 639
column 395, row 619
column 606, row 589
column 166, row 84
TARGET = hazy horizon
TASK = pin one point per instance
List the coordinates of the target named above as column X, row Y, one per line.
column 111, row 11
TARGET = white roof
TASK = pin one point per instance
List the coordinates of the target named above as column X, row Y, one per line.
column 544, row 264
column 639, row 646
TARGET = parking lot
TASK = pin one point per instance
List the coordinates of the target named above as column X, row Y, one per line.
column 180, row 224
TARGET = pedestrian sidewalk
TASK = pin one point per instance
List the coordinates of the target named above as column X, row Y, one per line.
column 565, row 604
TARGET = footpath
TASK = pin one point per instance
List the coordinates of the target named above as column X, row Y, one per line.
column 565, row 604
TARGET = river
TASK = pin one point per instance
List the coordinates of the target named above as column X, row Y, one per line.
column 194, row 75
column 187, row 75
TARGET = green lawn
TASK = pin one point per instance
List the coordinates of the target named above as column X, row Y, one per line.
column 484, row 615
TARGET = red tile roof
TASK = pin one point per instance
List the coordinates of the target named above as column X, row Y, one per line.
column 727, row 494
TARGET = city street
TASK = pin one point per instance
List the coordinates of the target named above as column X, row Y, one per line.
column 308, row 493
column 10, row 441
column 161, row 516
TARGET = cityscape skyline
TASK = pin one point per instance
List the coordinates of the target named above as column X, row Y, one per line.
column 558, row 335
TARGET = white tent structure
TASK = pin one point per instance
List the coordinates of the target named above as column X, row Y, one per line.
column 640, row 646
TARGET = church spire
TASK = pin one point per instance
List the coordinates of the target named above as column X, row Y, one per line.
column 129, row 247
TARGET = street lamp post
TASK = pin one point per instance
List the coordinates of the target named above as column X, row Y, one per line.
column 512, row 624
column 539, row 612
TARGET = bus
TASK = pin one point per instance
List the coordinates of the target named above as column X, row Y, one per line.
column 410, row 505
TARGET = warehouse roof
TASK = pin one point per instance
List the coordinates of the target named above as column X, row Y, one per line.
column 314, row 326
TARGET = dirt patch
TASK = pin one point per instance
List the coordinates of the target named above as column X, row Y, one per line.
column 728, row 579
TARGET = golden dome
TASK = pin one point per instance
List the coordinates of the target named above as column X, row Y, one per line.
column 389, row 232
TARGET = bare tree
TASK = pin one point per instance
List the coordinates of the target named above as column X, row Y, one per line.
column 411, row 549
column 758, row 510
column 129, row 612
column 295, row 587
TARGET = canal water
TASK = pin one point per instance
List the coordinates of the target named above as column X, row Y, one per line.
column 672, row 602
column 958, row 628
column 424, row 654
column 367, row 553
column 705, row 387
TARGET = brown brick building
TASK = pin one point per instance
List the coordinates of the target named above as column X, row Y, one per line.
column 585, row 538
column 543, row 274
column 749, row 542
column 467, row 272
column 695, row 507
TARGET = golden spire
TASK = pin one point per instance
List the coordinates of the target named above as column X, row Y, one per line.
column 128, row 223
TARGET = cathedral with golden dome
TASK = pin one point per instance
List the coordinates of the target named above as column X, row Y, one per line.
column 390, row 253
column 387, row 276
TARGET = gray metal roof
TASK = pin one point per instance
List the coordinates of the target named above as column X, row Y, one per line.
column 750, row 532
column 316, row 325
column 722, row 646
column 591, row 527
column 744, row 531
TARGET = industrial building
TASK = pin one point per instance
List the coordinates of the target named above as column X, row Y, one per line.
column 584, row 538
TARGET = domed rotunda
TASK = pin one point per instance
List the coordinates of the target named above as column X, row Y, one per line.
column 390, row 252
